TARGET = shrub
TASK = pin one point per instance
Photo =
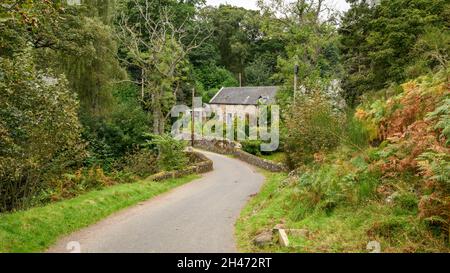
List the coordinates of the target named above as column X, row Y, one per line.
column 312, row 126
column 71, row 185
column 39, row 130
column 252, row 146
column 317, row 190
column 123, row 177
column 356, row 134
column 442, row 115
column 434, row 206
column 117, row 133
column 141, row 163
column 171, row 155
column 407, row 201
column 367, row 185
column 212, row 77
column 324, row 187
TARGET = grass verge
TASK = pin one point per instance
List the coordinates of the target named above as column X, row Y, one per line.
column 347, row 228
column 279, row 157
column 36, row 229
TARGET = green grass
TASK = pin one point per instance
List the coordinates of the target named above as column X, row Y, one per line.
column 348, row 228
column 279, row 157
column 36, row 229
column 263, row 212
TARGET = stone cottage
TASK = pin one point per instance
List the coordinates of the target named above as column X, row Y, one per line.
column 231, row 102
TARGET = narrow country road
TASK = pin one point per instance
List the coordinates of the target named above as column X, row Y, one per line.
column 196, row 217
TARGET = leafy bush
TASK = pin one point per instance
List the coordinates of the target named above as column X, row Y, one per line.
column 118, row 133
column 312, row 127
column 252, row 146
column 366, row 185
column 259, row 72
column 434, row 205
column 315, row 192
column 128, row 169
column 324, row 186
column 212, row 76
column 356, row 133
column 171, row 155
column 442, row 116
column 407, row 201
column 141, row 163
column 71, row 185
column 39, row 130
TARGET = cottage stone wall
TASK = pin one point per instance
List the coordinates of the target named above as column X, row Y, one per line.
column 240, row 111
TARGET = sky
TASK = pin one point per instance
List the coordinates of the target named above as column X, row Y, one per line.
column 340, row 5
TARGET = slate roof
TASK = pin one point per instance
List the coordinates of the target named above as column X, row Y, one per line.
column 245, row 95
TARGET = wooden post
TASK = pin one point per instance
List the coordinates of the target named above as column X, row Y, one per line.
column 240, row 79
column 193, row 118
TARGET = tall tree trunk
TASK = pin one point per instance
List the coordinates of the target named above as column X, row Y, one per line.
column 158, row 117
column 162, row 125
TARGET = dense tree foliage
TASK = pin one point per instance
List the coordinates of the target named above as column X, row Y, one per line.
column 239, row 45
column 40, row 135
column 386, row 43
column 310, row 42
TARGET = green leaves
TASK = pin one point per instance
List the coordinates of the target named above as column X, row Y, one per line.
column 312, row 128
column 442, row 116
column 391, row 41
column 309, row 43
column 39, row 130
column 171, row 154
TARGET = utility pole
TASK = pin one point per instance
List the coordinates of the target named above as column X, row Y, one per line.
column 193, row 118
column 295, row 81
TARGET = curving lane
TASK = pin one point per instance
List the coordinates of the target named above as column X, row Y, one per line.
column 197, row 217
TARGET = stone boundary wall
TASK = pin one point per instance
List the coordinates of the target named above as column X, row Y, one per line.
column 227, row 147
column 202, row 165
column 259, row 162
